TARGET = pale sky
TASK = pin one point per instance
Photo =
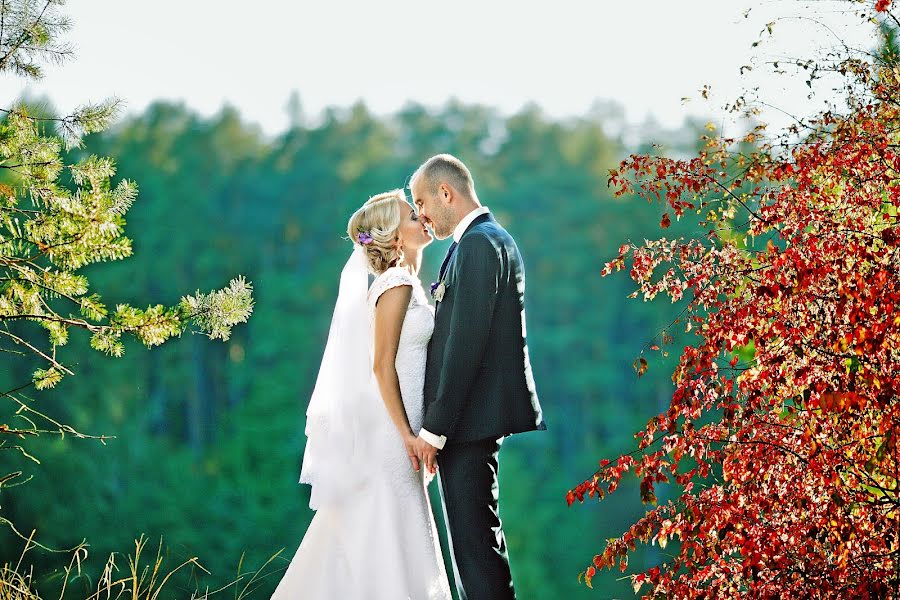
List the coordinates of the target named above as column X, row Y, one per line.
column 562, row 55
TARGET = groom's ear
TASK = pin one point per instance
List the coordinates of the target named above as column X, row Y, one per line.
column 445, row 192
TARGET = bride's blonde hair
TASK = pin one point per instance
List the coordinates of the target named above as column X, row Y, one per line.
column 375, row 226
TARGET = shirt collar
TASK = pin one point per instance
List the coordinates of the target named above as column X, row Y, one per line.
column 467, row 220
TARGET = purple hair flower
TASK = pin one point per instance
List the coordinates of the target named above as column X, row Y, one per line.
column 364, row 238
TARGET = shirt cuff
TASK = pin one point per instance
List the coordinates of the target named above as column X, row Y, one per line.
column 437, row 441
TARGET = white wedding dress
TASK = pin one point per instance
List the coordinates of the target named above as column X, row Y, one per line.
column 381, row 543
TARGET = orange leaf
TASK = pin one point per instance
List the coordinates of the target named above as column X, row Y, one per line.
column 640, row 365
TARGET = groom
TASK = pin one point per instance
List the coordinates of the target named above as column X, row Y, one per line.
column 478, row 382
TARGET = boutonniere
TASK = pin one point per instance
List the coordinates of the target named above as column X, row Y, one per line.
column 437, row 290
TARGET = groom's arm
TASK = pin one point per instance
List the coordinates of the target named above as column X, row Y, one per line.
column 478, row 265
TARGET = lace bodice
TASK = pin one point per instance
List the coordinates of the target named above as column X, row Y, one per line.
column 414, row 337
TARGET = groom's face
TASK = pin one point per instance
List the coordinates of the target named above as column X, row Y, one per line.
column 434, row 209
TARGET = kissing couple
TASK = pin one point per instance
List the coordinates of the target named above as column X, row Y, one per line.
column 407, row 390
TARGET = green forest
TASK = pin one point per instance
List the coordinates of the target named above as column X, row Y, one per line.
column 207, row 438
column 143, row 414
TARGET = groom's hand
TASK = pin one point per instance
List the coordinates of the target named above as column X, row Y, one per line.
column 427, row 454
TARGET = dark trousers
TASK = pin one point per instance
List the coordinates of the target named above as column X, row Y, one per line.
column 469, row 491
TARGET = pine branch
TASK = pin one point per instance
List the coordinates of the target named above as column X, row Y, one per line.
column 10, row 351
column 23, row 38
column 20, row 165
column 40, row 285
column 35, row 350
column 61, row 428
column 58, row 319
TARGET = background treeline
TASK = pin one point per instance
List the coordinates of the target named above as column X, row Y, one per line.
column 209, row 436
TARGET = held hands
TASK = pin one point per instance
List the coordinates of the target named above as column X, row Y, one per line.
column 427, row 454
column 420, row 453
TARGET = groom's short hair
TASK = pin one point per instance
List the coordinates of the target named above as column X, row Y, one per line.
column 445, row 168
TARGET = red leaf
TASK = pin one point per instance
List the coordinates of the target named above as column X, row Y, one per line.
column 805, row 274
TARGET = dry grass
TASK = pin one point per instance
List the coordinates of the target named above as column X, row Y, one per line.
column 145, row 577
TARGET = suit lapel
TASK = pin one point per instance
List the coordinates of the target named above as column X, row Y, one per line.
column 446, row 260
column 451, row 251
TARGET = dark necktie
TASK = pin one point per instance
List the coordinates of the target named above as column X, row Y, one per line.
column 446, row 260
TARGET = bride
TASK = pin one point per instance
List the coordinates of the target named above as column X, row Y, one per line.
column 373, row 535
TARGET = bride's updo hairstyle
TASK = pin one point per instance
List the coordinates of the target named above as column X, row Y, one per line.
column 374, row 226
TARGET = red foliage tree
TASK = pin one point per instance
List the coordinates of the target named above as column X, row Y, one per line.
column 781, row 437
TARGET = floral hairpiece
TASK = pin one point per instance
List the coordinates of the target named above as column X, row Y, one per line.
column 364, row 238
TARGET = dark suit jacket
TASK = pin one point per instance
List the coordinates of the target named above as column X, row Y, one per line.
column 478, row 380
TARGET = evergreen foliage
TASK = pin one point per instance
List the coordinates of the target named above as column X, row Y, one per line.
column 59, row 215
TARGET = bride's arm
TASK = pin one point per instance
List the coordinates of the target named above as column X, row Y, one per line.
column 390, row 311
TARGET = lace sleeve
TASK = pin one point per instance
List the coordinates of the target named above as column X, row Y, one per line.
column 393, row 277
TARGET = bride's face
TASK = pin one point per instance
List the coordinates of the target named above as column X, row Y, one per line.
column 413, row 233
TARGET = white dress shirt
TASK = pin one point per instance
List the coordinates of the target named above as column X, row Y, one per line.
column 438, row 441
column 467, row 220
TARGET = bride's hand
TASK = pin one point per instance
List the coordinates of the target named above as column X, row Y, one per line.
column 409, row 440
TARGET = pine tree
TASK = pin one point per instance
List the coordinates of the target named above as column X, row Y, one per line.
column 57, row 218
